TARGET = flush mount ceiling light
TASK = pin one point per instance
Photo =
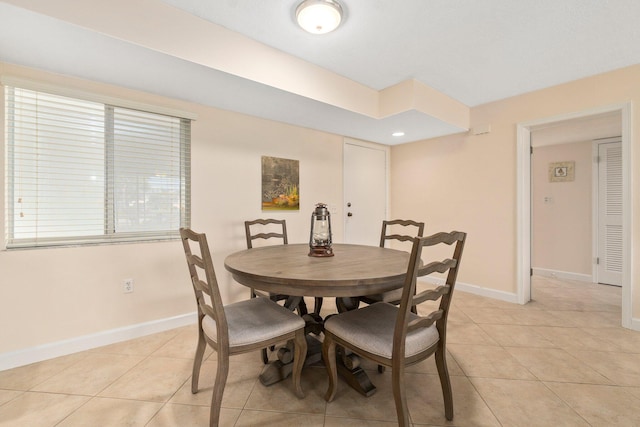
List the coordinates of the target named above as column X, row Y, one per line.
column 319, row 16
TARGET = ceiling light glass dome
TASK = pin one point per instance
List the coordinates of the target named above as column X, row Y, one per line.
column 319, row 16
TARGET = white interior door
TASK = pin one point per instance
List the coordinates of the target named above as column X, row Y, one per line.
column 609, row 265
column 365, row 190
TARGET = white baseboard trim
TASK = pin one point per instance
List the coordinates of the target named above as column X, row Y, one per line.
column 566, row 275
column 39, row 353
column 489, row 293
column 477, row 290
column 499, row 295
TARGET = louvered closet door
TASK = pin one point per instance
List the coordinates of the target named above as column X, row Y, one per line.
column 610, row 213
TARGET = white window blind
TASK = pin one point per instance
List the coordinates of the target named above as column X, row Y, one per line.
column 87, row 172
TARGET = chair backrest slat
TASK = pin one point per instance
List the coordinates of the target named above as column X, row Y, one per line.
column 425, row 321
column 196, row 260
column 248, row 225
column 413, row 229
column 206, row 308
column 431, row 294
column 436, row 266
column 202, row 286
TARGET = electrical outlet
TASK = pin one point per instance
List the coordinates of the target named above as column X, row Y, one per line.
column 127, row 286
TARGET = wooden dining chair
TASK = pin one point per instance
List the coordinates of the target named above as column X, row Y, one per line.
column 273, row 229
column 410, row 230
column 235, row 328
column 393, row 335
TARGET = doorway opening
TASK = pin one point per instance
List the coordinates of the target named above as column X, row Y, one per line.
column 524, row 194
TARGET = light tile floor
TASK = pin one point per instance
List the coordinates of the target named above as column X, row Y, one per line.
column 562, row 360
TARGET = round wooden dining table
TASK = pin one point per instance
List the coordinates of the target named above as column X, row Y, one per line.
column 353, row 271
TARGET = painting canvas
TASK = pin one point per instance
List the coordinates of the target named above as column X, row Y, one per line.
column 280, row 184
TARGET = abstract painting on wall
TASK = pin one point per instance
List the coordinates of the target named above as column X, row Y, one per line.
column 280, row 184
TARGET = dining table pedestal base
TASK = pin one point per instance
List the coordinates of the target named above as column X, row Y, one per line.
column 348, row 367
column 357, row 378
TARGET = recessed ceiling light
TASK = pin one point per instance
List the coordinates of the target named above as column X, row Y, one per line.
column 399, row 133
column 319, row 16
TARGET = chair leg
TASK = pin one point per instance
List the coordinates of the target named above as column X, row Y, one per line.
column 329, row 356
column 197, row 360
column 317, row 306
column 300, row 354
column 265, row 356
column 445, row 383
column 399, row 394
column 222, row 373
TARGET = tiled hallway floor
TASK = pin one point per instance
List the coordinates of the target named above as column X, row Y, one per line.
column 562, row 360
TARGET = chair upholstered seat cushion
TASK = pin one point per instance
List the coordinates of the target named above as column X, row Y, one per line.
column 254, row 320
column 371, row 329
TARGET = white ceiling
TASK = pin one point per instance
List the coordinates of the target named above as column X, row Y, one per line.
column 471, row 51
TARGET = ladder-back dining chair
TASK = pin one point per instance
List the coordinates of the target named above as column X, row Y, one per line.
column 235, row 328
column 410, row 229
column 393, row 335
column 273, row 229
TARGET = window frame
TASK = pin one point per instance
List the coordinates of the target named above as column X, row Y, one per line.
column 109, row 235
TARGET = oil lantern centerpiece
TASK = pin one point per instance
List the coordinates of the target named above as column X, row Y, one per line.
column 320, row 236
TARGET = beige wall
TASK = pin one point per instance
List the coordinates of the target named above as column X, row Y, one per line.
column 562, row 211
column 469, row 181
column 459, row 183
column 50, row 295
column 463, row 182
